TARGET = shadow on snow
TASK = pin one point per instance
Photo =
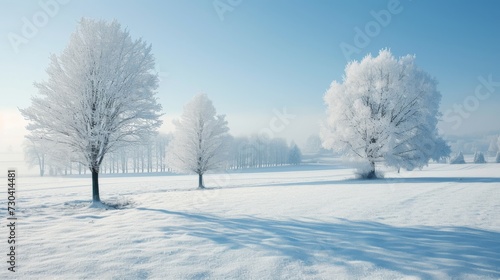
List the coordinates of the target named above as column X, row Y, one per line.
column 418, row 251
column 419, row 180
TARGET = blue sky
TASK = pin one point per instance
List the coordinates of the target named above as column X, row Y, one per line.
column 258, row 57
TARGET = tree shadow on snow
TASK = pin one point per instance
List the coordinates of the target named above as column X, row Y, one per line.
column 443, row 180
column 418, row 180
column 112, row 203
column 418, row 251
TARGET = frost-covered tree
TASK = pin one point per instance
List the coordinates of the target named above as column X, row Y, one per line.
column 313, row 144
column 439, row 150
column 100, row 95
column 201, row 139
column 294, row 155
column 493, row 147
column 458, row 159
column 479, row 157
column 497, row 159
column 36, row 152
column 161, row 144
column 258, row 151
column 385, row 109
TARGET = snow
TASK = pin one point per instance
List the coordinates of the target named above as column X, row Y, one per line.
column 308, row 222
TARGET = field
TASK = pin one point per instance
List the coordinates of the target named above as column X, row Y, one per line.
column 308, row 222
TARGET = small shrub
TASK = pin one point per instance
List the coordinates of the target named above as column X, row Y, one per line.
column 458, row 159
column 479, row 157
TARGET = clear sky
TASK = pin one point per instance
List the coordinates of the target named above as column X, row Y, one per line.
column 255, row 58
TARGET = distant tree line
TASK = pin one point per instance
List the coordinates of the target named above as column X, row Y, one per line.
column 258, row 152
column 151, row 156
column 489, row 144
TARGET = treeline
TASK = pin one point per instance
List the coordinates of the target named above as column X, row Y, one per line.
column 258, row 152
column 151, row 156
column 489, row 144
column 51, row 159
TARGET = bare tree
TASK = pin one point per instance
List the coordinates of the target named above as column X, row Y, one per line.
column 100, row 95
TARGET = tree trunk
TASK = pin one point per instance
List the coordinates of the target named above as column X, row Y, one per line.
column 200, row 181
column 371, row 174
column 42, row 166
column 95, row 186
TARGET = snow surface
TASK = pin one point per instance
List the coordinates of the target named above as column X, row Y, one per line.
column 311, row 222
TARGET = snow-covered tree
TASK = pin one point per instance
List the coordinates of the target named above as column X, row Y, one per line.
column 294, row 155
column 479, row 157
column 385, row 109
column 60, row 160
column 100, row 95
column 313, row 144
column 439, row 150
column 497, row 159
column 259, row 151
column 161, row 143
column 458, row 159
column 201, row 139
column 493, row 147
column 36, row 152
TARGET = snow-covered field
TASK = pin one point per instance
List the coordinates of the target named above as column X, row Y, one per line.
column 313, row 222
